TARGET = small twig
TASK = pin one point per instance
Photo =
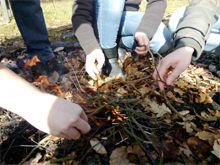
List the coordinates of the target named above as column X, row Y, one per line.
column 164, row 94
column 34, row 149
column 78, row 82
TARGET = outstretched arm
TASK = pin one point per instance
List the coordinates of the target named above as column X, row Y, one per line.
column 189, row 41
column 46, row 112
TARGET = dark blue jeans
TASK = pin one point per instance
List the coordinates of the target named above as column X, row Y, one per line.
column 30, row 20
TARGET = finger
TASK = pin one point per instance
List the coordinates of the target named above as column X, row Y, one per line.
column 161, row 85
column 83, row 116
column 95, row 70
column 146, row 42
column 90, row 70
column 140, row 52
column 155, row 74
column 141, row 48
column 72, row 133
column 163, row 69
column 140, row 41
column 101, row 62
column 161, row 73
column 91, row 74
column 174, row 75
column 82, row 126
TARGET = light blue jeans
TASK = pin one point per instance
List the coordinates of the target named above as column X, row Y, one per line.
column 115, row 25
column 213, row 40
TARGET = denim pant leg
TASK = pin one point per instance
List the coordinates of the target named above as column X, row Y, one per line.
column 108, row 17
column 213, row 40
column 160, row 42
column 30, row 20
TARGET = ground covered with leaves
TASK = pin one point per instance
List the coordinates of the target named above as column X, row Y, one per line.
column 132, row 121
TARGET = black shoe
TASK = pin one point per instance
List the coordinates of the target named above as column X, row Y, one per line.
column 45, row 68
column 53, row 65
column 112, row 69
column 2, row 53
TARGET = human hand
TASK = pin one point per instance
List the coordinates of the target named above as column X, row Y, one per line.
column 94, row 63
column 142, row 43
column 46, row 112
column 171, row 66
column 59, row 117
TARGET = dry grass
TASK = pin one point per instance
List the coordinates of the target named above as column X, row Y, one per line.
column 58, row 13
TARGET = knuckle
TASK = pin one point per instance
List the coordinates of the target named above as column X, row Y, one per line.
column 77, row 137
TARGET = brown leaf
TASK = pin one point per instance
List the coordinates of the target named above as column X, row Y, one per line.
column 204, row 98
column 97, row 146
column 144, row 90
column 173, row 97
column 136, row 149
column 122, row 91
column 217, row 114
column 119, row 156
column 216, row 148
column 206, row 136
column 79, row 99
column 199, row 147
column 160, row 110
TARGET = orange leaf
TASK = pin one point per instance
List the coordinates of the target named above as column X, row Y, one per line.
column 42, row 80
column 32, row 62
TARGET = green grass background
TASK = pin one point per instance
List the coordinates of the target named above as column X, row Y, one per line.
column 58, row 13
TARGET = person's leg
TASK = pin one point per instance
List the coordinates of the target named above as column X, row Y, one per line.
column 30, row 20
column 108, row 18
column 160, row 42
column 213, row 41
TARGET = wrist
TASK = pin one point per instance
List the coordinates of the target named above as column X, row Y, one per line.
column 95, row 51
column 140, row 33
column 39, row 103
column 38, row 109
column 189, row 49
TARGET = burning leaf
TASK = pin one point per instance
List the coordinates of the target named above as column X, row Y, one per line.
column 57, row 90
column 79, row 99
column 118, row 116
column 32, row 62
column 216, row 148
column 42, row 82
column 97, row 146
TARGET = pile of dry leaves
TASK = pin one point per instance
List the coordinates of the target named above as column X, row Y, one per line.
column 133, row 122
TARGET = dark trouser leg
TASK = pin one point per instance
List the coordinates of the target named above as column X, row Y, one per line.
column 30, row 20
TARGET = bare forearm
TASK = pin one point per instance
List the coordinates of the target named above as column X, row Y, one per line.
column 16, row 94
